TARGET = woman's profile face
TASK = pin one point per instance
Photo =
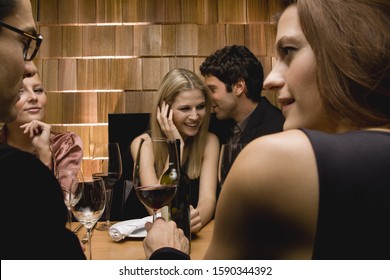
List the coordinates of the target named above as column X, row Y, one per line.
column 294, row 76
column 32, row 102
column 189, row 110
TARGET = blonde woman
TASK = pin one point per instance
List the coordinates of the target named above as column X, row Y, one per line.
column 30, row 134
column 182, row 111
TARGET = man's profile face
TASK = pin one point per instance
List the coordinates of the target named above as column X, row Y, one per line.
column 12, row 65
column 222, row 101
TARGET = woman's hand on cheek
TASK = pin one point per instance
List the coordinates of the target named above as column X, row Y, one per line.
column 165, row 120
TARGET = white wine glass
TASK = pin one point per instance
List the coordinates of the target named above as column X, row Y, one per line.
column 156, row 172
column 90, row 206
column 67, row 177
column 107, row 164
column 228, row 154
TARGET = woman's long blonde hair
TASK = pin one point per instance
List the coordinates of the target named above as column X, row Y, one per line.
column 176, row 81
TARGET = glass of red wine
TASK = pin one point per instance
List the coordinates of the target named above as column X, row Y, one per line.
column 156, row 172
column 107, row 164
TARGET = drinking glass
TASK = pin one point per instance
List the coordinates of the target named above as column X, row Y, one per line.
column 67, row 177
column 156, row 172
column 227, row 156
column 107, row 164
column 90, row 207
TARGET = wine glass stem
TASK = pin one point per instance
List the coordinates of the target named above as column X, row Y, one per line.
column 108, row 205
column 70, row 219
column 154, row 215
column 89, row 243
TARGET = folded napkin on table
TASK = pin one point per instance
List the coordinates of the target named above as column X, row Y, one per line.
column 123, row 229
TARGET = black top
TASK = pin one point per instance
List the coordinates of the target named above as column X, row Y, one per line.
column 32, row 202
column 193, row 185
column 354, row 203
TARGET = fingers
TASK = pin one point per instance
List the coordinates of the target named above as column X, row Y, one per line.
column 39, row 133
column 184, row 244
column 193, row 212
column 196, row 228
column 165, row 111
column 32, row 128
column 164, row 234
column 165, row 120
column 196, row 222
column 148, row 226
column 170, row 115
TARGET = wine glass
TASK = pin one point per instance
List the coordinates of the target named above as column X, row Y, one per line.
column 107, row 164
column 67, row 177
column 156, row 172
column 227, row 156
column 91, row 204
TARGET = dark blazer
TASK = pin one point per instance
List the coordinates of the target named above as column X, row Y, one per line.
column 265, row 119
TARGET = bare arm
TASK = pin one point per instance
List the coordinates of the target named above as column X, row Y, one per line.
column 207, row 185
column 134, row 151
column 268, row 206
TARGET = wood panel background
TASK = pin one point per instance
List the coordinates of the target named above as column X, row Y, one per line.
column 109, row 56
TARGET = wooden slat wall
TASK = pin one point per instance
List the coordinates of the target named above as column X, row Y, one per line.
column 109, row 56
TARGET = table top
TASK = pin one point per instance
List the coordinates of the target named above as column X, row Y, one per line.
column 104, row 248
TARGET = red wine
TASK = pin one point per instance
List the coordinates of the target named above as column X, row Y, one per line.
column 156, row 196
column 109, row 178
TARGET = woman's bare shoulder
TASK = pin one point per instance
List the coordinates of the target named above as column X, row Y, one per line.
column 135, row 143
column 277, row 158
column 212, row 137
column 212, row 143
column 273, row 180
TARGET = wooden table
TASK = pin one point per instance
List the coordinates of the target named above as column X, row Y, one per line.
column 104, row 248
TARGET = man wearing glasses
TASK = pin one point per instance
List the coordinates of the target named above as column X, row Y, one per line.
column 34, row 196
column 31, row 45
column 13, row 67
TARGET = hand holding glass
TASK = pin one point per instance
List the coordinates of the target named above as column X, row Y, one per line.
column 156, row 172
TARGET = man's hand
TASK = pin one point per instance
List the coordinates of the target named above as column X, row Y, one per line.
column 164, row 234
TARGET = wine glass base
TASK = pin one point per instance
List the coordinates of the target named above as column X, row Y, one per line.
column 104, row 226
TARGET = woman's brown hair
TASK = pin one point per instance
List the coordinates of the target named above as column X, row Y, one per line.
column 351, row 42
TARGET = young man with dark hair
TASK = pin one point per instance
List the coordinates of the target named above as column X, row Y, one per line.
column 235, row 78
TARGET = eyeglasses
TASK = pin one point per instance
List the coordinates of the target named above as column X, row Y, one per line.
column 31, row 46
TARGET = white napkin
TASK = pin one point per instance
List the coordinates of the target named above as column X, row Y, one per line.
column 123, row 229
